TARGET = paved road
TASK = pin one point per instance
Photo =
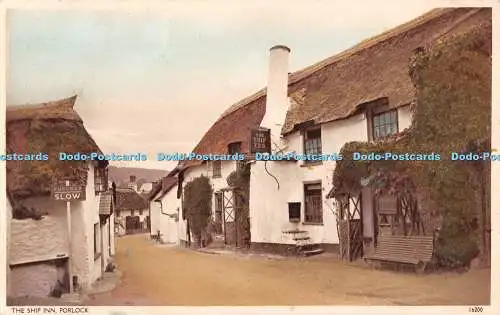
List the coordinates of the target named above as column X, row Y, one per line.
column 154, row 275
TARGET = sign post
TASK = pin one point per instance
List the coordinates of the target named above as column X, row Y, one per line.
column 68, row 192
column 70, row 260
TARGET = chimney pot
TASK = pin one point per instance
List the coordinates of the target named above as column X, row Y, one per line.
column 280, row 47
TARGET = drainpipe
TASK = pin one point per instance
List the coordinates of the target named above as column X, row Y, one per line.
column 102, row 248
column 170, row 215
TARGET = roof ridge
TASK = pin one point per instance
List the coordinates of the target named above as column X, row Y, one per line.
column 64, row 102
column 62, row 109
column 365, row 44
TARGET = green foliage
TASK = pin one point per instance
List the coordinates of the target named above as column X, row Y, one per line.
column 198, row 205
column 452, row 113
column 240, row 181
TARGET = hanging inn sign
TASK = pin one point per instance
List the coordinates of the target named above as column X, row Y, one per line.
column 68, row 190
column 260, row 141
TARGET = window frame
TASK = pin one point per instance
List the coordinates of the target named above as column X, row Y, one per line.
column 383, row 113
column 100, row 179
column 97, row 247
column 317, row 218
column 317, row 147
column 216, row 171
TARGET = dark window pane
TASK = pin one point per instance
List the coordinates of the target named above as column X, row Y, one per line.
column 382, row 119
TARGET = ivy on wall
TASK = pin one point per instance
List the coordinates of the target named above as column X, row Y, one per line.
column 451, row 113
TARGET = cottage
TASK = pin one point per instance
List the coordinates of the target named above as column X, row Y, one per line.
column 146, row 188
column 132, row 212
column 46, row 256
column 165, row 211
column 361, row 94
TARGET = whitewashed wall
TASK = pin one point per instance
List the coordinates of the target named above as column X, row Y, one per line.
column 41, row 240
column 91, row 210
column 112, row 234
column 169, row 228
column 154, row 209
column 269, row 205
column 35, row 280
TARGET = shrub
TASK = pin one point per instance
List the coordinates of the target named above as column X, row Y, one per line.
column 198, row 206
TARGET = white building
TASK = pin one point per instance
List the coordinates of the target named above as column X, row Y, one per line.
column 146, row 188
column 131, row 212
column 165, row 211
column 40, row 242
column 361, row 94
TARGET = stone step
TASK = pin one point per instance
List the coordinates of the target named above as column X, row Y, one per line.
column 312, row 252
column 295, row 232
column 303, row 242
column 301, row 238
column 74, row 297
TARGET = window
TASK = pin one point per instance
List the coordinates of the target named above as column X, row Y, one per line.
column 313, row 203
column 100, row 179
column 216, row 168
column 385, row 124
column 234, row 148
column 294, row 211
column 132, row 212
column 97, row 252
column 312, row 142
column 218, row 213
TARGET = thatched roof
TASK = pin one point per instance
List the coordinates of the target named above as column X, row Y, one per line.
column 47, row 128
column 129, row 199
column 337, row 87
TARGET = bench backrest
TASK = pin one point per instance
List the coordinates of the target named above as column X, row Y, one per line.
column 420, row 247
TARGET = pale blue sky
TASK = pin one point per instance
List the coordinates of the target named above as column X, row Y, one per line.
column 155, row 81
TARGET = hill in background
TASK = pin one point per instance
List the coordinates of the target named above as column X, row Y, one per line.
column 121, row 175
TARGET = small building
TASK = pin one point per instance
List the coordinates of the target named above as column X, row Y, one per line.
column 165, row 211
column 146, row 188
column 45, row 255
column 132, row 212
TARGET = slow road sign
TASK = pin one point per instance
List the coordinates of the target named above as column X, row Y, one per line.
column 73, row 192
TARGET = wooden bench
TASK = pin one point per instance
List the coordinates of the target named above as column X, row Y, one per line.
column 413, row 250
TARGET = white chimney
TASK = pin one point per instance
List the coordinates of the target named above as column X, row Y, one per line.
column 277, row 94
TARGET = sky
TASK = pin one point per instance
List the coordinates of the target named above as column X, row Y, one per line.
column 155, row 80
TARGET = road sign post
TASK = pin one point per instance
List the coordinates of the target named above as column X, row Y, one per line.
column 69, row 192
column 70, row 258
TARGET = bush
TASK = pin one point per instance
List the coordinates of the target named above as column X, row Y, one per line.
column 198, row 206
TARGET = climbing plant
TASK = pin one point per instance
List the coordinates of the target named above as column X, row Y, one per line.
column 239, row 180
column 451, row 113
column 197, row 206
